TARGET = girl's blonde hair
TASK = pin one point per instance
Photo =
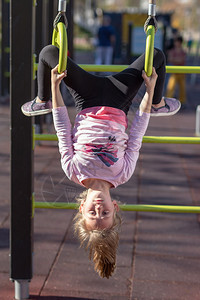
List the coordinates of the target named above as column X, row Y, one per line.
column 101, row 244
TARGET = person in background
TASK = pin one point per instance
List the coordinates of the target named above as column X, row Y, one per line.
column 106, row 42
column 189, row 43
column 177, row 57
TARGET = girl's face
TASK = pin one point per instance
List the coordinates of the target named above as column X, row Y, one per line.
column 98, row 210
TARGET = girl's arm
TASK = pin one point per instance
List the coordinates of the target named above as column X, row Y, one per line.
column 139, row 125
column 62, row 123
column 56, row 78
column 150, row 82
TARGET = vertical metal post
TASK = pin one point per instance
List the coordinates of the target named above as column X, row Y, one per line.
column 5, row 48
column 45, row 21
column 21, row 289
column 198, row 121
column 51, row 17
column 39, row 44
column 129, row 46
column 21, row 87
column 70, row 33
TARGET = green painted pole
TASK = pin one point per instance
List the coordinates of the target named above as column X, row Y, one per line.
column 56, row 205
column 146, row 139
column 119, row 68
column 160, row 208
column 45, row 137
column 171, row 140
column 149, row 52
column 126, row 207
column 183, row 69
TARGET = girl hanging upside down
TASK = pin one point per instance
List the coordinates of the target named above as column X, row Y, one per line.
column 98, row 153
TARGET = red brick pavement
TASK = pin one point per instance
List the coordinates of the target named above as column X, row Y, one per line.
column 159, row 253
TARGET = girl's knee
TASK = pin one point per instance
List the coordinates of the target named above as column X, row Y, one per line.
column 49, row 51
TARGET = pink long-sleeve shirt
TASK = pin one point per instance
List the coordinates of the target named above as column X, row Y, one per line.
column 98, row 145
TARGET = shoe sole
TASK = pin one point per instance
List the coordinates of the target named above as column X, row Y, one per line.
column 165, row 114
column 36, row 113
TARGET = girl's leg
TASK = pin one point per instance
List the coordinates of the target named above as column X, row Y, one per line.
column 85, row 87
column 123, row 86
column 48, row 59
column 132, row 76
column 89, row 90
column 130, row 80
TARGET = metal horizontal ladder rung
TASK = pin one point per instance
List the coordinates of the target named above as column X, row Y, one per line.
column 119, row 68
column 125, row 207
column 146, row 139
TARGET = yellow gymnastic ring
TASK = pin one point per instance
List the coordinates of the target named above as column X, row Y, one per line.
column 149, row 52
column 59, row 40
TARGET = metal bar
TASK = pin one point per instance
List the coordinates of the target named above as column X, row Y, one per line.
column 125, row 207
column 161, row 208
column 21, row 89
column 149, row 51
column 56, row 205
column 62, row 4
column 197, row 129
column 5, row 49
column 146, row 139
column 152, row 10
column 45, row 137
column 171, row 140
column 50, row 19
column 183, row 69
column 119, row 68
column 21, row 289
column 70, row 29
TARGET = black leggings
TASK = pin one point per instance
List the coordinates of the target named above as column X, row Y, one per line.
column 91, row 90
